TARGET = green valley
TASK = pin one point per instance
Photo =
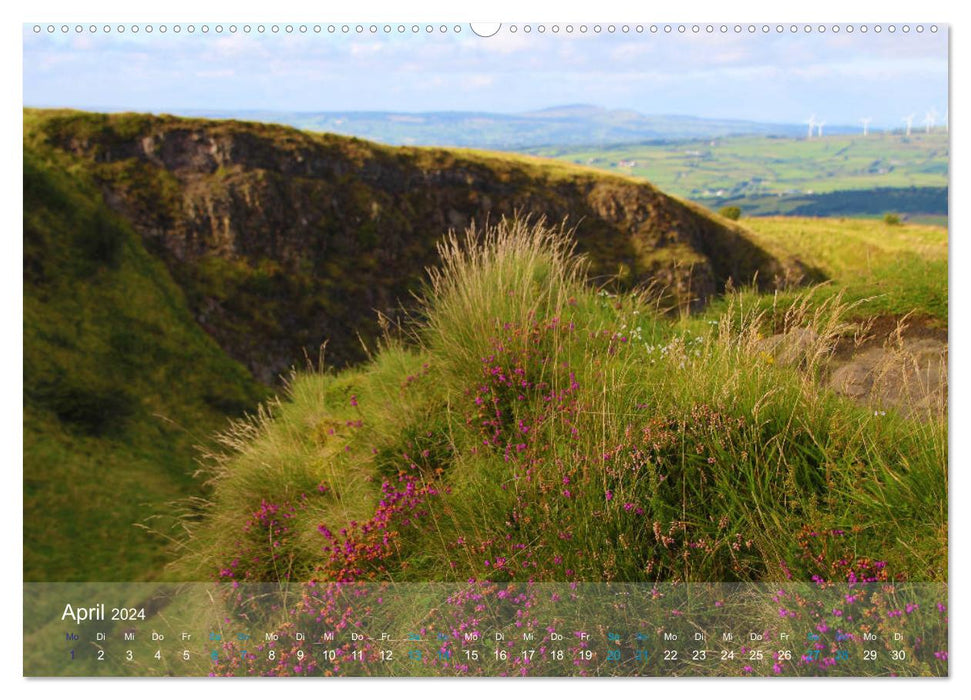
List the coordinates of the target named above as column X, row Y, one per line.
column 778, row 175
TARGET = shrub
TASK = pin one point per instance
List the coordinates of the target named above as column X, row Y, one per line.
column 732, row 213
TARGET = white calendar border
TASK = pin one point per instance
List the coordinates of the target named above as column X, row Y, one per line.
column 830, row 11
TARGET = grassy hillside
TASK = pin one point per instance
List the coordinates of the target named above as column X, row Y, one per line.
column 531, row 427
column 883, row 270
column 900, row 268
column 120, row 384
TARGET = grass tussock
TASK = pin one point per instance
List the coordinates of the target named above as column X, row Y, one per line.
column 511, row 274
column 536, row 428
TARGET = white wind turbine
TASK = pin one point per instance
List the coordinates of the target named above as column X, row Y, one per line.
column 820, row 132
column 910, row 122
column 929, row 118
column 812, row 123
column 866, row 125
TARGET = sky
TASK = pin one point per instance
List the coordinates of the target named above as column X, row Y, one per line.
column 771, row 77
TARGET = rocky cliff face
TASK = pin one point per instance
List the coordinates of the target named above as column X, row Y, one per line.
column 283, row 239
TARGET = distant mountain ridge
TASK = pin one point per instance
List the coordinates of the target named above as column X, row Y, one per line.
column 565, row 125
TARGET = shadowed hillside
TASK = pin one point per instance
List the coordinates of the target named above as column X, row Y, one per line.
column 283, row 239
column 120, row 385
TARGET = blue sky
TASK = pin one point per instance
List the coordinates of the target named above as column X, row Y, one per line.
column 840, row 78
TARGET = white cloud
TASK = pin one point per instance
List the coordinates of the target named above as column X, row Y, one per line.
column 236, row 45
column 504, row 43
column 480, row 81
column 366, row 49
column 221, row 73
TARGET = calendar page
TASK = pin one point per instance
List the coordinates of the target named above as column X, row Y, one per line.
column 514, row 349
